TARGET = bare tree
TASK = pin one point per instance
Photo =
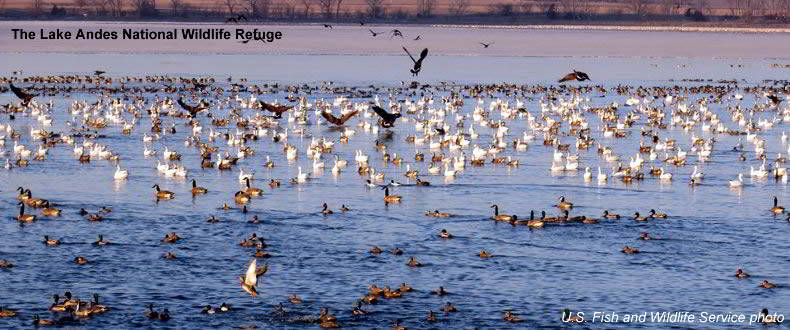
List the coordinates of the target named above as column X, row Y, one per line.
column 257, row 8
column 502, row 8
column 544, row 6
column 287, row 9
column 37, row 6
column 375, row 8
column 175, row 7
column 458, row 7
column 425, row 7
column 337, row 7
column 743, row 8
column 306, row 4
column 326, row 7
column 231, row 5
column 144, row 7
column 577, row 8
column 115, row 7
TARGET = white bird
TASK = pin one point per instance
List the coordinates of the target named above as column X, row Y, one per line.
column 602, row 177
column 243, row 176
column 587, row 174
column 738, row 182
column 697, row 175
column 301, row 177
column 120, row 174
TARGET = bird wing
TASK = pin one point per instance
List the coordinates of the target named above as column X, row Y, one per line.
column 21, row 93
column 332, row 119
column 582, row 75
column 423, row 54
column 251, row 277
column 348, row 116
column 568, row 77
column 274, row 108
column 407, row 53
column 262, row 270
column 382, row 113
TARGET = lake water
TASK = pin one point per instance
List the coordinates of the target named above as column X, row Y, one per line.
column 712, row 229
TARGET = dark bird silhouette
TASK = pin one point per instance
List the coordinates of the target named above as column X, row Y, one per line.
column 418, row 38
column 276, row 109
column 440, row 130
column 193, row 110
column 236, row 19
column 361, row 23
column 231, row 20
column 387, row 119
column 374, row 33
column 485, row 45
column 575, row 75
column 417, row 63
column 99, row 72
column 21, row 94
column 327, row 26
column 396, row 33
column 775, row 99
column 338, row 121
column 241, row 17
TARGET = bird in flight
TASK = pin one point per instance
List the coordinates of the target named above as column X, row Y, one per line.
column 236, row 19
column 21, row 94
column 361, row 23
column 418, row 38
column 417, row 63
column 396, row 33
column 193, row 110
column 338, row 121
column 276, row 109
column 99, row 72
column 327, row 26
column 374, row 33
column 250, row 279
column 387, row 119
column 775, row 99
column 485, row 45
column 575, row 75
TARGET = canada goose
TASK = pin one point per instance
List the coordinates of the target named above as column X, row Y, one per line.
column 563, row 204
column 655, row 215
column 415, row 70
column 387, row 119
column 740, row 273
column 767, row 318
column 169, row 256
column 39, row 322
column 22, row 217
column 56, row 305
column 5, row 264
column 278, row 110
column 164, row 315
column 777, row 209
column 500, row 217
column 50, row 211
column 637, row 217
column 197, row 190
column 171, row 237
column 437, row 214
column 274, row 183
column 324, row 315
column 326, row 210
column 390, row 198
column 575, row 75
column 338, row 121
column 344, row 208
column 767, row 285
column 608, row 215
column 49, row 241
column 421, row 183
column 162, row 194
column 241, row 198
column 100, row 241
column 251, row 191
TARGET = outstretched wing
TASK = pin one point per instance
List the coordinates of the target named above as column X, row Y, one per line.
column 423, row 54
column 382, row 113
column 262, row 270
column 251, row 277
column 348, row 116
column 25, row 96
column 568, row 77
column 407, row 53
column 332, row 119
column 273, row 108
column 582, row 76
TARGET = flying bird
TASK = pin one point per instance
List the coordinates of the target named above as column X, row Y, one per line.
column 338, row 121
column 361, row 23
column 417, row 63
column 236, row 19
column 250, row 278
column 21, row 94
column 387, row 119
column 775, row 99
column 193, row 110
column 99, row 72
column 276, row 109
column 418, row 38
column 396, row 33
column 374, row 33
column 575, row 75
column 485, row 45
column 327, row 26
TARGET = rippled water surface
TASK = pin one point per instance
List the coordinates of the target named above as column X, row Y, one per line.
column 711, row 231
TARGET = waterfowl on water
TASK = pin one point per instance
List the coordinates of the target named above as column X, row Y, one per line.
column 274, row 183
column 375, row 250
column 567, row 317
column 162, row 194
column 500, row 217
column 629, row 250
column 344, row 208
column 250, row 278
column 767, row 318
column 431, row 317
column 655, row 215
column 49, row 241
column 437, row 214
column 96, row 307
column 767, row 285
column 777, row 209
column 509, row 317
column 39, row 322
column 241, row 198
column 413, row 262
column 294, row 299
column 563, row 204
column 5, row 264
column 608, row 215
column 484, row 254
column 448, row 308
column 197, row 190
column 80, row 260
column 326, row 210
column 637, row 217
column 7, row 312
column 445, row 234
column 171, row 237
column 440, row 291
column 396, row 251
column 169, row 256
column 391, row 198
column 22, row 217
column 251, row 191
column 50, row 211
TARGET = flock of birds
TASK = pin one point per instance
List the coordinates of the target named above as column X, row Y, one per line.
column 239, row 120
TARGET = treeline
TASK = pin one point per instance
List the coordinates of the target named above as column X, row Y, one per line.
column 426, row 10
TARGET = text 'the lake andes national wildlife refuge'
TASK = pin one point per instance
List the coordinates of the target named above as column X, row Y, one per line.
column 148, row 34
